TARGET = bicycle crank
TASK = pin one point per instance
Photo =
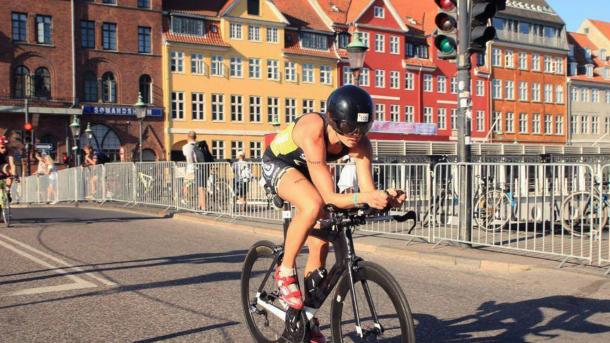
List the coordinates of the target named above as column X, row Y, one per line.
column 297, row 328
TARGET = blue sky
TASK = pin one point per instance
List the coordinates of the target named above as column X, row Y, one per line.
column 573, row 12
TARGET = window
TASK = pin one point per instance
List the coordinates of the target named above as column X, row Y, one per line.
column 326, row 76
column 442, row 118
column 177, row 105
column 480, row 121
column 535, row 62
column 218, row 107
column 559, row 65
column 535, row 92
column 253, row 7
column 322, row 106
column 380, row 78
column 273, row 70
column 480, row 88
column 90, row 87
column 218, row 149
column 189, row 26
column 87, row 34
column 143, row 3
column 307, row 106
column 235, row 31
column 607, row 96
column 454, row 85
column 410, row 49
column 594, row 95
column 536, row 123
column 395, row 113
column 364, row 77
column 441, row 84
column 497, row 89
column 454, row 119
column 595, row 125
column 548, row 124
column 378, row 12
column 109, row 91
column 510, row 89
column 291, row 110
column 496, row 57
column 236, row 146
column 145, row 88
column 480, row 60
column 343, row 39
column 273, row 110
column 144, row 40
column 236, row 70
column 312, row 40
column 496, row 122
column 109, row 2
column 394, row 45
column 177, row 61
column 584, row 95
column 379, row 111
column 522, row 122
column 255, row 109
column 237, row 110
column 254, row 33
column 548, row 93
column 584, row 124
column 254, row 68
column 559, row 94
column 43, row 29
column 290, row 71
column 574, row 124
column 428, row 115
column 197, row 64
column 523, row 60
column 409, row 81
column 559, row 125
column 21, row 82
column 509, row 59
column 422, row 51
column 379, row 42
column 364, row 37
column 509, row 122
column 523, row 91
column 409, row 114
column 308, row 75
column 218, row 66
column 255, row 149
column 427, row 83
column 574, row 93
column 394, row 79
column 109, row 36
column 197, row 106
column 548, row 64
column 272, row 35
column 607, row 125
column 348, row 77
column 19, row 27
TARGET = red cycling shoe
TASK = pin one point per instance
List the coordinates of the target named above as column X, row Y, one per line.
column 294, row 299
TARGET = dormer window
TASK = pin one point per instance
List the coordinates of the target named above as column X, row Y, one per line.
column 573, row 68
column 589, row 70
column 343, row 38
column 312, row 40
column 588, row 53
column 571, row 52
column 378, row 12
column 254, row 7
column 188, row 26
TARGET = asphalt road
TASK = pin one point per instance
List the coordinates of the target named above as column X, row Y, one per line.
column 86, row 275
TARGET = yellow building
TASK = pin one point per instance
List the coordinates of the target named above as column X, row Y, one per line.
column 237, row 70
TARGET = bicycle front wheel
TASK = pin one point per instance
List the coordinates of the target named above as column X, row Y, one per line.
column 384, row 312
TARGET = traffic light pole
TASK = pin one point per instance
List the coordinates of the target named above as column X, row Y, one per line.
column 464, row 121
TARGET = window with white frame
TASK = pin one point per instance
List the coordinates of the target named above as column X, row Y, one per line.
column 548, row 124
column 480, row 121
column 574, row 124
column 178, row 105
column 559, row 125
column 409, row 114
column 217, row 66
column 315, row 41
column 607, row 125
column 177, row 61
column 536, row 123
column 256, row 149
column 218, row 149
column 379, row 42
column 454, row 85
column 497, row 89
column 395, row 113
column 326, row 76
column 378, row 12
column 548, row 64
column 559, row 94
column 536, row 62
column 218, row 107
column 509, row 122
column 236, row 70
column 574, row 94
column 394, row 45
column 584, row 124
column 254, row 109
column 254, row 68
column 523, row 60
column 584, row 95
column 409, row 81
column 441, row 84
column 442, row 118
column 523, row 91
column 509, row 60
column 380, row 78
column 364, row 38
column 273, row 110
column 237, row 108
column 573, row 68
column 235, row 31
column 291, row 110
column 480, row 88
column 348, row 77
column 523, row 123
column 496, row 122
column 536, row 92
column 428, row 83
column 273, row 72
column 496, row 57
column 509, row 90
column 394, row 79
column 197, row 64
column 548, row 93
column 608, row 96
column 364, row 77
column 254, row 33
column 428, row 115
column 197, row 106
column 595, row 95
column 272, row 36
column 290, row 71
column 380, row 112
column 322, row 106
column 594, row 125
column 308, row 73
column 559, row 65
column 454, row 119
column 307, row 106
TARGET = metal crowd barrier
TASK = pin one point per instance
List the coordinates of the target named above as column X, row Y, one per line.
column 603, row 199
column 119, row 182
column 154, row 184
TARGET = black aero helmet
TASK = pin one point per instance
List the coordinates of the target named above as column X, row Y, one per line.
column 350, row 110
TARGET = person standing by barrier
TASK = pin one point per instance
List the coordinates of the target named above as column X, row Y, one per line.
column 203, row 157
column 52, row 173
column 89, row 163
column 348, row 181
column 7, row 165
column 241, row 178
column 188, row 150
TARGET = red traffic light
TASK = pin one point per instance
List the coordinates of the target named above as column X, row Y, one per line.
column 27, row 126
column 447, row 5
column 445, row 22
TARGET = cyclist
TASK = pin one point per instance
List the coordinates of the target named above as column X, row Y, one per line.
column 295, row 168
column 7, row 165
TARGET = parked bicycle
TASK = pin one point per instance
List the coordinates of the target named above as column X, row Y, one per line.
column 584, row 213
column 379, row 309
column 493, row 206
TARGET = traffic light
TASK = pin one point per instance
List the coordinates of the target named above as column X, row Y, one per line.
column 445, row 39
column 27, row 133
column 481, row 30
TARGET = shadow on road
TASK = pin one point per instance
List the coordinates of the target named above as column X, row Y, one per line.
column 53, row 220
column 187, row 332
column 536, row 319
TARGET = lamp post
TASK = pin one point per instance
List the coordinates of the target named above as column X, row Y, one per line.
column 140, row 114
column 355, row 53
column 89, row 133
column 75, row 128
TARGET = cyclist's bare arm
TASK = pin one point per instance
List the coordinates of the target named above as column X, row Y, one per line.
column 362, row 154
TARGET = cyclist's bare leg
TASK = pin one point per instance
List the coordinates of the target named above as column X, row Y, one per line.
column 318, row 250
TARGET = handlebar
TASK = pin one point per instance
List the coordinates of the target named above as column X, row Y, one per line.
column 362, row 214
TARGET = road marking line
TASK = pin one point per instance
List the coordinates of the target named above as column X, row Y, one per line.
column 48, row 289
column 61, row 262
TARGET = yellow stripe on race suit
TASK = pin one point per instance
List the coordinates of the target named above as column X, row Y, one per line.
column 283, row 144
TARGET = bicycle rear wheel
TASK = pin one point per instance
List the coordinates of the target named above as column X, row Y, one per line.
column 384, row 296
column 264, row 326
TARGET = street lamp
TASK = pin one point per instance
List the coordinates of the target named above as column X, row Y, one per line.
column 140, row 114
column 75, row 128
column 355, row 53
column 89, row 133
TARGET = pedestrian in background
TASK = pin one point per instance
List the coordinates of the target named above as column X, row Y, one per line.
column 241, row 178
column 51, row 171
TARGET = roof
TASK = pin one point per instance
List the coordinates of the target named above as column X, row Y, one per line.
column 417, row 15
column 210, row 8
column 356, row 8
column 532, row 9
column 301, row 14
column 335, row 9
column 582, row 42
column 210, row 38
column 602, row 26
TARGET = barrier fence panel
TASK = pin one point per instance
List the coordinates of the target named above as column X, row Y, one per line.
column 67, row 184
column 541, row 208
column 604, row 226
column 250, row 196
column 92, row 187
column 189, row 180
column 154, row 183
column 31, row 190
column 119, row 182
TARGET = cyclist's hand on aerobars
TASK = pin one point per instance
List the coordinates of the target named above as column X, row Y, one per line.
column 397, row 197
column 377, row 199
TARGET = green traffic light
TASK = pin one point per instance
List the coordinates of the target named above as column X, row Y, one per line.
column 446, row 46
